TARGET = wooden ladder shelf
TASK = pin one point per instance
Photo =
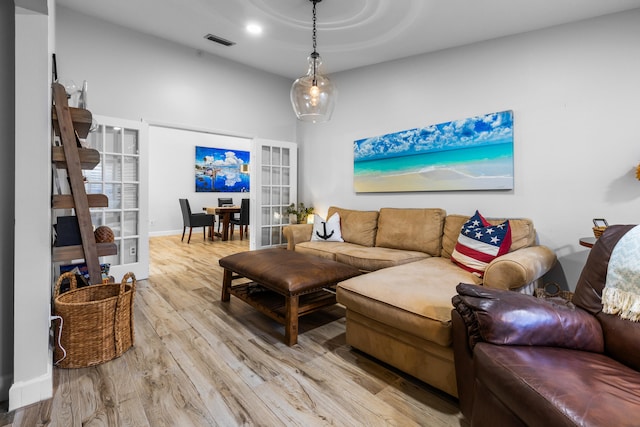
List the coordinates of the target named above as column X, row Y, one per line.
column 68, row 122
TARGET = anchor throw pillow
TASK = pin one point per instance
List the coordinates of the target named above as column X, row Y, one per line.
column 326, row 231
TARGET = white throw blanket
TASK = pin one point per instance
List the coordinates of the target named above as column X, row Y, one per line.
column 621, row 294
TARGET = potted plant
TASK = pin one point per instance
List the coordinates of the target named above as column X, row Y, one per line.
column 301, row 212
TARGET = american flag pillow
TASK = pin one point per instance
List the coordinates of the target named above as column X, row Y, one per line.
column 480, row 243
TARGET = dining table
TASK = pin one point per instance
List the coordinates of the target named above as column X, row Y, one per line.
column 226, row 212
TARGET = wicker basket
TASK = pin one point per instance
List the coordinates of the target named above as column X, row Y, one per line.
column 97, row 321
column 553, row 290
column 597, row 231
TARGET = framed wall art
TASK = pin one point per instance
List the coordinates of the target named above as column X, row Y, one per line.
column 221, row 170
column 469, row 154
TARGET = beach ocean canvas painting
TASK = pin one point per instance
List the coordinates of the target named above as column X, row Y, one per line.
column 470, row 154
column 220, row 170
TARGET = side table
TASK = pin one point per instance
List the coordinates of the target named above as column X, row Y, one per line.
column 587, row 242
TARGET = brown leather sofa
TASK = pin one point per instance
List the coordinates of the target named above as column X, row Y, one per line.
column 523, row 361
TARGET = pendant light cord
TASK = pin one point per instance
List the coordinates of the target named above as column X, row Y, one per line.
column 314, row 26
column 314, row 54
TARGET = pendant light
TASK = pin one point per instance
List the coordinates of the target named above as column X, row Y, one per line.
column 313, row 96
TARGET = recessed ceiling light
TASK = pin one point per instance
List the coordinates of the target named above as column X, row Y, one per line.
column 253, row 28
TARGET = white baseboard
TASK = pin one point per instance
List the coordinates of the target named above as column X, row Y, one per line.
column 25, row 393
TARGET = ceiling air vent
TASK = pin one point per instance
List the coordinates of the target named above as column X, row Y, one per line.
column 219, row 40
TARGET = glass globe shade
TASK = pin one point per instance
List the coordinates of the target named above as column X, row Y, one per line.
column 313, row 102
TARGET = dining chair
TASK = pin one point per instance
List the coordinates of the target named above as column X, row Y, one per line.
column 243, row 220
column 223, row 201
column 194, row 220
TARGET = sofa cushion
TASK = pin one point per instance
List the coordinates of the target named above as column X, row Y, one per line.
column 357, row 227
column 411, row 229
column 479, row 243
column 326, row 231
column 547, row 386
column 414, row 297
column 322, row 249
column 522, row 232
column 371, row 259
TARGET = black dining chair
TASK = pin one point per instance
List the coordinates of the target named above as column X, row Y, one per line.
column 243, row 220
column 194, row 220
column 223, row 201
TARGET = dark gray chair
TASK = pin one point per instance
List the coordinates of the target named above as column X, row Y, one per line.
column 223, row 201
column 194, row 220
column 243, row 220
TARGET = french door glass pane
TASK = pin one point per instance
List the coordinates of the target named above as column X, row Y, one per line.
column 93, row 187
column 266, row 155
column 275, row 191
column 94, row 175
column 130, row 196
column 95, row 139
column 112, row 167
column 266, row 175
column 130, row 169
column 266, row 215
column 275, row 235
column 275, row 156
column 275, row 176
column 266, row 195
column 130, row 141
column 112, row 220
column 130, row 223
column 275, row 216
column 113, row 140
column 265, row 236
column 114, row 193
column 96, row 218
column 130, row 251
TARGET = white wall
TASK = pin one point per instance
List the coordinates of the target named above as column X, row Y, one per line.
column 576, row 99
column 32, row 373
column 135, row 76
column 171, row 175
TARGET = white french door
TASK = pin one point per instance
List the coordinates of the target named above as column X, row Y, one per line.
column 274, row 187
column 122, row 176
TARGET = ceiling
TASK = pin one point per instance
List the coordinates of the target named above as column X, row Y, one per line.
column 351, row 33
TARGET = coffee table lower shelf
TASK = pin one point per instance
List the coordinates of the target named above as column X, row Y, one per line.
column 283, row 309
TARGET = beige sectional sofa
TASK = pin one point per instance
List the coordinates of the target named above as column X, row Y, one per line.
column 400, row 311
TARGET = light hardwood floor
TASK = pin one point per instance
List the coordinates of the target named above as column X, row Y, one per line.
column 199, row 362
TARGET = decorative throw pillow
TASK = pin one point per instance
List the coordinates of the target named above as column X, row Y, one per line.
column 480, row 243
column 327, row 231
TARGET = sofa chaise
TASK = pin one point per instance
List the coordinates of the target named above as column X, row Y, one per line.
column 400, row 311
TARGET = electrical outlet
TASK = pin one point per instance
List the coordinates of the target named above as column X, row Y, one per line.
column 132, row 250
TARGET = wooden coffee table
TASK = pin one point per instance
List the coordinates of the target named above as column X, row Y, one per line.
column 284, row 284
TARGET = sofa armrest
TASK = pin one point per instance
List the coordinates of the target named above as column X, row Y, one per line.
column 519, row 268
column 509, row 318
column 297, row 233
